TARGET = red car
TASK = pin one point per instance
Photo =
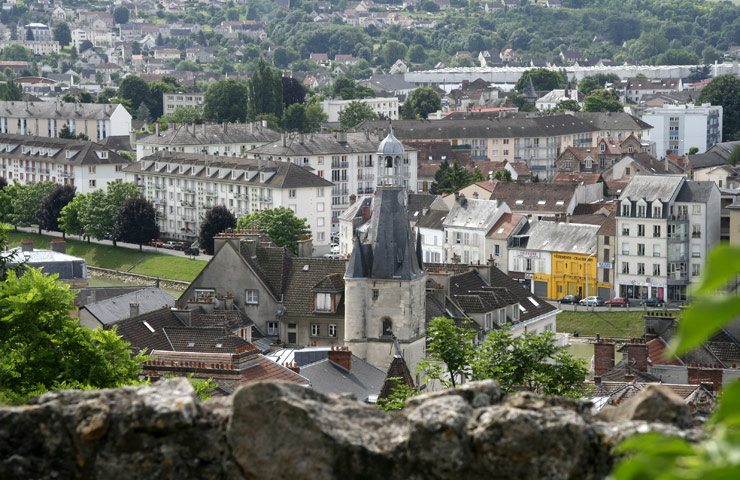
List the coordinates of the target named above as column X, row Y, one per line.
column 156, row 243
column 618, row 302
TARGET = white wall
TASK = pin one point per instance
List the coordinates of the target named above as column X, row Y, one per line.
column 120, row 122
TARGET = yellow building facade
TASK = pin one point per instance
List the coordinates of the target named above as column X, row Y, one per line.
column 573, row 274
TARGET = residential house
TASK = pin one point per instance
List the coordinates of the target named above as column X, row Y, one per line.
column 171, row 101
column 546, row 199
column 632, row 90
column 466, row 226
column 501, row 236
column 383, row 107
column 183, row 186
column 640, row 164
column 130, row 304
column 37, row 47
column 680, row 127
column 399, row 66
column 616, row 124
column 321, row 58
column 509, row 55
column 595, row 159
column 55, row 261
column 86, row 165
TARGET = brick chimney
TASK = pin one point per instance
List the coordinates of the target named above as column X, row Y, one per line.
column 603, row 356
column 342, row 356
column 133, row 309
column 292, row 366
column 700, row 374
column 637, row 354
column 26, row 245
column 58, row 245
column 629, row 378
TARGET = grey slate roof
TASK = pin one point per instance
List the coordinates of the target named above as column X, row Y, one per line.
column 613, row 120
column 696, row 191
column 362, row 381
column 530, row 194
column 388, row 83
column 322, row 144
column 433, row 219
column 91, row 111
column 706, row 159
column 286, row 174
column 66, row 266
column 472, row 213
column 562, row 237
column 118, row 308
column 505, row 127
column 651, row 188
column 207, row 134
column 85, row 150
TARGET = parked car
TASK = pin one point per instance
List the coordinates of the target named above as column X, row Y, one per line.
column 592, row 301
column 191, row 251
column 334, row 248
column 180, row 246
column 618, row 302
column 156, row 243
column 653, row 302
column 169, row 245
column 569, row 299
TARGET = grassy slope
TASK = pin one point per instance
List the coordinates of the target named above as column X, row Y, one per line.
column 616, row 324
column 118, row 258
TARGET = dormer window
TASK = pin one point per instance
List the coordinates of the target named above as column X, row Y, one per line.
column 324, row 302
column 626, row 209
column 602, row 147
column 103, row 154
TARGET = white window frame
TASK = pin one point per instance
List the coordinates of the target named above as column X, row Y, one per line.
column 252, row 297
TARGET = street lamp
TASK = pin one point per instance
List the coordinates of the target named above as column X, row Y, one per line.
column 591, row 255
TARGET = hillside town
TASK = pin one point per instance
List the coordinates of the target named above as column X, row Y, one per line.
column 321, row 193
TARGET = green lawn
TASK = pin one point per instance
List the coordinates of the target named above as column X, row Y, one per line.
column 118, row 258
column 614, row 324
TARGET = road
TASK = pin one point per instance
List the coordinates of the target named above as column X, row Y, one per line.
column 131, row 246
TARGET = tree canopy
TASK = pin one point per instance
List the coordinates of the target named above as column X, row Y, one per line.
column 51, row 205
column 355, row 113
column 602, row 100
column 217, row 219
column 421, row 102
column 724, row 90
column 226, row 101
column 121, row 14
column 62, row 33
column 279, row 224
column 265, row 92
column 543, row 79
column 136, row 222
column 450, row 178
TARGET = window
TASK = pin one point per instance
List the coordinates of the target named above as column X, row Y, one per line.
column 91, row 183
column 272, row 328
column 315, row 329
column 641, row 269
column 640, row 249
column 625, row 230
column 696, row 231
column 323, row 302
column 625, row 267
column 376, row 293
column 695, row 269
column 605, row 277
column 696, row 209
column 695, row 251
column 528, row 264
column 656, row 250
column 203, row 293
column 497, row 250
column 625, row 248
column 602, row 147
column 291, row 193
column 641, row 230
column 292, row 337
column 332, row 329
column 656, row 231
column 656, row 269
column 91, row 169
column 489, row 320
column 625, row 209
column 387, row 327
column 657, row 212
column 641, row 210
column 606, row 240
column 627, row 171
column 319, row 192
column 252, row 297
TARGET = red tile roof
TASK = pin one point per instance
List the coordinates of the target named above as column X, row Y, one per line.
column 267, row 370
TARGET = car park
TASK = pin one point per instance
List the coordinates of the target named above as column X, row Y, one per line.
column 191, row 251
column 618, row 302
column 180, row 246
column 169, row 245
column 156, row 243
column 653, row 302
column 592, row 301
column 569, row 299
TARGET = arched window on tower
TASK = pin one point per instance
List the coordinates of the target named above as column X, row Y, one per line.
column 387, row 329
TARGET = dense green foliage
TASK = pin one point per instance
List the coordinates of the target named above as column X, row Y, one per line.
column 725, row 90
column 226, row 101
column 217, row 220
column 279, row 224
column 355, row 113
column 421, row 102
column 450, row 178
column 51, row 206
column 136, row 221
column 265, row 92
column 400, row 393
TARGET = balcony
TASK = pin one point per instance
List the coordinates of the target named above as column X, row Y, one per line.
column 67, row 175
column 239, row 196
column 186, row 203
column 677, row 238
column 210, row 194
column 159, row 187
column 189, row 219
column 339, row 164
column 362, row 191
column 161, row 215
column 678, row 276
column 160, row 201
column 679, row 218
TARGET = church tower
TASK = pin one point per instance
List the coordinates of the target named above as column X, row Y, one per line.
column 385, row 281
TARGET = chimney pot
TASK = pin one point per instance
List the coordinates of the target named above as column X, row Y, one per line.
column 26, row 245
column 59, row 246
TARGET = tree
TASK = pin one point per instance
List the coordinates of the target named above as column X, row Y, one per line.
column 26, row 201
column 294, row 118
column 602, row 100
column 142, row 113
column 29, row 35
column 135, row 48
column 136, row 222
column 265, row 89
column 86, row 97
column 293, row 91
column 417, row 54
column 569, row 105
column 724, row 90
column 279, row 224
column 347, row 89
column 355, row 113
column 693, row 151
column 397, row 399
column 69, row 218
column 85, row 45
column 16, row 52
column 73, row 356
column 217, row 220
column 503, row 175
column 450, row 352
column 677, row 57
column 135, row 90
column 593, row 82
column 734, row 157
column 62, row 33
column 450, row 178
column 100, row 211
column 393, row 50
column 226, row 101
column 11, row 91
column 423, row 101
column 121, row 14
column 52, row 204
column 543, row 79
column 186, row 115
column 315, row 116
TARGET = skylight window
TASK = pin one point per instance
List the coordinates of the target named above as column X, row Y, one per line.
column 191, row 344
column 305, row 268
column 534, row 302
column 219, row 345
column 519, row 202
column 500, row 231
column 560, row 202
column 522, row 309
column 148, row 326
column 541, row 202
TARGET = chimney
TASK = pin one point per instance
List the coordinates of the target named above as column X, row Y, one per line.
column 264, row 123
column 305, row 247
column 132, row 139
column 156, row 128
column 352, row 199
column 91, row 296
column 248, row 248
column 597, row 379
column 342, row 136
column 637, row 354
column 26, row 245
column 366, row 213
column 228, row 302
column 292, row 366
column 301, row 139
column 629, row 378
column 341, row 356
column 226, row 128
column 603, row 356
column 184, row 314
column 58, row 245
column 133, row 309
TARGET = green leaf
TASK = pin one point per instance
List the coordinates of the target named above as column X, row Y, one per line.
column 723, row 266
column 704, row 318
column 728, row 411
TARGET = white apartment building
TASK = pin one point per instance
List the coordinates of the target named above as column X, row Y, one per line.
column 37, row 47
column 171, row 101
column 40, row 31
column 680, row 127
column 348, row 160
column 225, row 140
column 466, row 226
column 45, row 119
column 432, row 235
column 384, row 107
column 184, row 186
column 665, row 227
column 86, row 165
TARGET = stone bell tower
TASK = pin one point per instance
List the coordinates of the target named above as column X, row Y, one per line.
column 385, row 281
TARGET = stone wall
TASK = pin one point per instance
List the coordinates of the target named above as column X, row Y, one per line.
column 280, row 430
column 137, row 279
